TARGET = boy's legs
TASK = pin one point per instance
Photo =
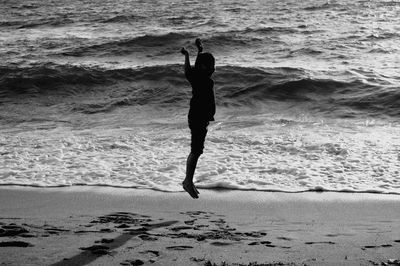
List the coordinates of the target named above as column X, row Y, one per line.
column 198, row 131
column 190, row 169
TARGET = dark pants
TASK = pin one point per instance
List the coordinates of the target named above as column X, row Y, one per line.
column 198, row 129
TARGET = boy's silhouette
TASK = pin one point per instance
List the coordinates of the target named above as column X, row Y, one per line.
column 202, row 108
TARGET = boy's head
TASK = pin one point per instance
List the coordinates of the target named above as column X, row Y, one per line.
column 205, row 63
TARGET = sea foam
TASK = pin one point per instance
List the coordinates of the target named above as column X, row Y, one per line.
column 269, row 154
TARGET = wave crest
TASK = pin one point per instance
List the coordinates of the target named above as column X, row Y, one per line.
column 166, row 84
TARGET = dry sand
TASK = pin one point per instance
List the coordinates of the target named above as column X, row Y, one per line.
column 111, row 226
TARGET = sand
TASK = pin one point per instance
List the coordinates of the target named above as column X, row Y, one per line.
column 115, row 226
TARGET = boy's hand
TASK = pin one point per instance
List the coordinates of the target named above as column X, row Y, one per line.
column 199, row 44
column 184, row 51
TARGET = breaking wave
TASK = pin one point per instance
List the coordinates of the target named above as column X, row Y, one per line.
column 165, row 84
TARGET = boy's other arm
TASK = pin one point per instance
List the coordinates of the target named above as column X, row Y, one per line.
column 187, row 66
column 199, row 45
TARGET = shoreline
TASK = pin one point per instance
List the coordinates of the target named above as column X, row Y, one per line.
column 114, row 226
column 212, row 189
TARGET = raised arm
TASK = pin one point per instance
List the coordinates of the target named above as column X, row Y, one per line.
column 199, row 45
column 187, row 66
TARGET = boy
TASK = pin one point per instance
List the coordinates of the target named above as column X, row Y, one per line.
column 202, row 109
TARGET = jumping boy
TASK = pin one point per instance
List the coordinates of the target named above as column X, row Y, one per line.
column 202, row 108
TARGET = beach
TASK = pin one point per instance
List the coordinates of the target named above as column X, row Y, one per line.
column 117, row 226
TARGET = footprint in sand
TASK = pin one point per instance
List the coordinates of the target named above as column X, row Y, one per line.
column 218, row 243
column 132, row 263
column 260, row 243
column 12, row 230
column 154, row 252
column 106, row 230
column 21, row 244
column 379, row 246
column 267, row 244
column 320, row 242
column 200, row 238
column 122, row 226
column 193, row 212
column 179, row 247
column 219, row 221
column 105, row 240
column 336, row 235
column 255, row 234
column 284, row 238
column 122, row 218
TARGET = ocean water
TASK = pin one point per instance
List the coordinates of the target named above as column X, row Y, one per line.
column 308, row 97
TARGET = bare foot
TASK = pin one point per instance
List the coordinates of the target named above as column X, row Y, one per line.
column 190, row 188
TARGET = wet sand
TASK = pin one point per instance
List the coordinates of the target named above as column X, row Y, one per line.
column 113, row 226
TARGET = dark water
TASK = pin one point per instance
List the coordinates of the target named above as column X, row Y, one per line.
column 340, row 56
column 345, row 97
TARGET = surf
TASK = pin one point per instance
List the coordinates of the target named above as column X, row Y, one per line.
column 235, row 86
